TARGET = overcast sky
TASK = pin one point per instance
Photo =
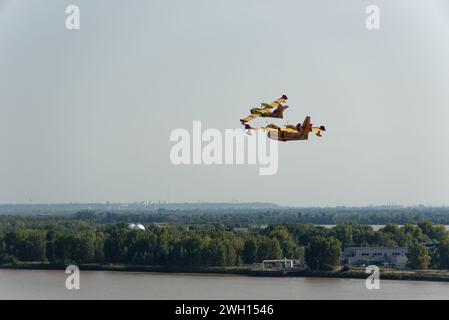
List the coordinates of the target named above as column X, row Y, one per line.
column 86, row 115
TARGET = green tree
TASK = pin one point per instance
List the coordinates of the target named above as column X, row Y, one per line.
column 434, row 232
column 323, row 253
column 217, row 253
column 269, row 249
column 250, row 250
column 343, row 232
column 30, row 244
column 418, row 256
column 443, row 253
column 289, row 246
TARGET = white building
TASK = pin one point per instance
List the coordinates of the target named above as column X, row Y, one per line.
column 137, row 226
column 364, row 256
column 284, row 264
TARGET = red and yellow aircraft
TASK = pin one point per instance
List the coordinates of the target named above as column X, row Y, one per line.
column 266, row 112
column 290, row 132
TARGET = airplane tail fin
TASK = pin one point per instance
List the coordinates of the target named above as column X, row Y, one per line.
column 305, row 124
column 305, row 128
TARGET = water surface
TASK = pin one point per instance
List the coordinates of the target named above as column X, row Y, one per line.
column 43, row 284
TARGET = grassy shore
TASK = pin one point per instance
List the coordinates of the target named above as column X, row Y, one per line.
column 352, row 273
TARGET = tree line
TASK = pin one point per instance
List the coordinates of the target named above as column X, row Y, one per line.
column 79, row 240
column 379, row 216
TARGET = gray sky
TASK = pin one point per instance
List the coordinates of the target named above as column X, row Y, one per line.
column 86, row 115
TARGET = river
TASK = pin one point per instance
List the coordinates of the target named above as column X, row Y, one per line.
column 42, row 284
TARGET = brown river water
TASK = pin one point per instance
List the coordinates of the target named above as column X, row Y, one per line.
column 42, row 284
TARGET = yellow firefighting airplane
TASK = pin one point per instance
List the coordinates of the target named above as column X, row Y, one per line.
column 266, row 110
column 290, row 132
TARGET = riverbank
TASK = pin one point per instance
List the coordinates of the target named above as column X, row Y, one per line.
column 352, row 273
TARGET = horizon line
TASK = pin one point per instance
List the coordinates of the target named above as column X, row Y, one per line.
column 233, row 203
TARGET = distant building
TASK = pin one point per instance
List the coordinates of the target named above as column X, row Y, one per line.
column 137, row 226
column 160, row 225
column 259, row 226
column 430, row 245
column 382, row 256
column 282, row 264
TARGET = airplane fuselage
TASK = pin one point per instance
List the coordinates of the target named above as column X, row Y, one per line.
column 261, row 112
column 266, row 112
column 281, row 135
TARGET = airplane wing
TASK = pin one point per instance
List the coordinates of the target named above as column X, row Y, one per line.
column 290, row 130
column 270, row 127
column 276, row 103
column 292, row 127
